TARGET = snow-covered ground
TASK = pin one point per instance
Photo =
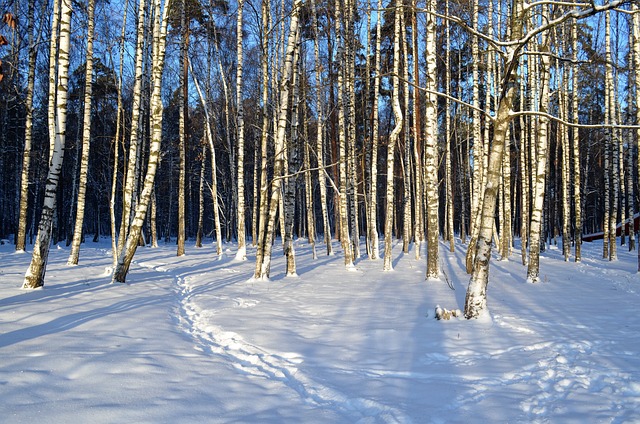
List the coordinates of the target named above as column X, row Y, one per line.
column 192, row 339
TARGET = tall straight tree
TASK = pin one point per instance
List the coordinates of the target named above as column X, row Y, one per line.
column 34, row 277
column 242, row 246
column 431, row 146
column 393, row 138
column 86, row 139
column 28, row 131
column 320, row 130
column 183, row 98
column 373, row 189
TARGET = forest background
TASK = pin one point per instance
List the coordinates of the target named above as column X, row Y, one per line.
column 247, row 121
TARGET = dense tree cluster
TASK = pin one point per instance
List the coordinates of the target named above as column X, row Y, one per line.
column 479, row 121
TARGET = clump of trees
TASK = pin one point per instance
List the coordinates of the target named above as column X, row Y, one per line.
column 481, row 122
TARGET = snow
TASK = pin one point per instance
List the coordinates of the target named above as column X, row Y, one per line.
column 193, row 339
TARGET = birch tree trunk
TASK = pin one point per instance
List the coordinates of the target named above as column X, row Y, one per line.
column 542, row 137
column 28, row 131
column 373, row 186
column 116, row 140
column 130, row 172
column 54, row 63
column 291, row 181
column 320, row 131
column 183, row 98
column 34, row 276
column 199, row 233
column 159, row 41
column 214, row 172
column 242, row 247
column 343, row 104
column 86, row 139
column 276, row 183
column 577, row 192
column 417, row 136
column 612, row 139
column 431, row 148
column 636, row 77
column 393, row 138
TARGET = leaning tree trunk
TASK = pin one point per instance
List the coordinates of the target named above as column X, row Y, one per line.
column 34, row 277
column 129, row 183
column 86, row 140
column 131, row 244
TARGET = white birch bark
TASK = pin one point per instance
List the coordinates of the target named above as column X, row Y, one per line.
column 34, row 276
column 159, row 41
column 542, row 141
column 373, row 190
column 431, row 148
column 28, row 131
column 418, row 210
column 214, row 172
column 276, row 183
column 182, row 131
column 86, row 139
column 393, row 138
column 342, row 138
column 130, row 177
column 320, row 131
column 577, row 192
column 242, row 247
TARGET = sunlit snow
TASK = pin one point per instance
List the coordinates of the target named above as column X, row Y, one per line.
column 193, row 339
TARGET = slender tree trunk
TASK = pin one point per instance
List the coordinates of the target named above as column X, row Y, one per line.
column 242, row 247
column 183, row 98
column 135, row 232
column 373, row 186
column 320, row 131
column 276, row 183
column 130, row 173
column 577, row 192
column 290, row 182
column 431, row 148
column 199, row 233
column 28, row 131
column 393, row 138
column 214, row 172
column 34, row 276
column 342, row 58
column 542, row 141
column 612, row 139
column 86, row 139
column 418, row 211
column 636, row 77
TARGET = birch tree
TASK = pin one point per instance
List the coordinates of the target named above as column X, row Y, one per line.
column 86, row 139
column 28, row 131
column 263, row 269
column 431, row 147
column 393, row 138
column 34, row 276
column 242, row 248
column 159, row 42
